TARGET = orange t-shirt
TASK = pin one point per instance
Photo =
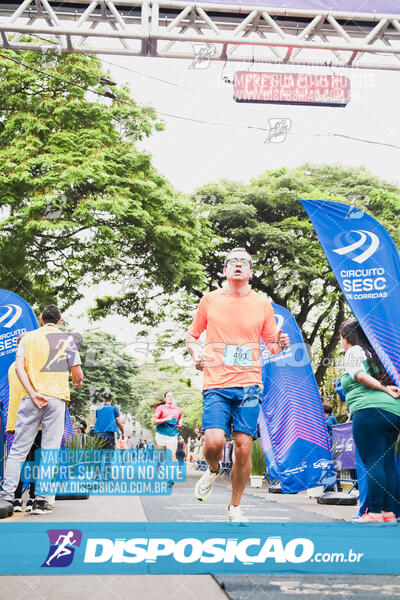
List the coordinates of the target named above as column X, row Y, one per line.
column 234, row 326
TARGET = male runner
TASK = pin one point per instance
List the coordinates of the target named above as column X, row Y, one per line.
column 234, row 318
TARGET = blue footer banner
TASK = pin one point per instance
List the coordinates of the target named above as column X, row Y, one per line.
column 140, row 548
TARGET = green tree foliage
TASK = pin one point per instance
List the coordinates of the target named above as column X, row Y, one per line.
column 290, row 266
column 151, row 383
column 106, row 366
column 79, row 202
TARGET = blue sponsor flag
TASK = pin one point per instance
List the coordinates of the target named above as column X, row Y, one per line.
column 292, row 423
column 69, row 431
column 266, row 444
column 365, row 262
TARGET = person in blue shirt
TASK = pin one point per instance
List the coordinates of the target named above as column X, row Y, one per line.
column 108, row 421
column 330, row 419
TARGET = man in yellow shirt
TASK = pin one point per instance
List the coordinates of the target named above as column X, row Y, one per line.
column 44, row 359
column 16, row 393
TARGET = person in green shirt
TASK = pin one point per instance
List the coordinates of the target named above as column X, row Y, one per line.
column 374, row 405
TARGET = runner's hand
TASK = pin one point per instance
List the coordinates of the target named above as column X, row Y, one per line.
column 283, row 339
column 199, row 362
column 39, row 400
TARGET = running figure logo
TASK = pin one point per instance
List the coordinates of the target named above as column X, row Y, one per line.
column 62, row 547
column 62, row 346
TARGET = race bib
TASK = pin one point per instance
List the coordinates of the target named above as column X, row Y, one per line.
column 237, row 356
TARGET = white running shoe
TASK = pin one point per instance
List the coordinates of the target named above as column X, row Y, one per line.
column 204, row 486
column 17, row 503
column 235, row 515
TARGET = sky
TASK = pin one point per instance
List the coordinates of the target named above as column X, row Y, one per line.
column 191, row 154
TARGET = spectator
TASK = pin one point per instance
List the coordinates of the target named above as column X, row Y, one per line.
column 128, row 428
column 43, row 361
column 374, row 407
column 81, row 425
column 16, row 393
column 108, row 421
column 190, row 446
column 330, row 419
column 180, row 450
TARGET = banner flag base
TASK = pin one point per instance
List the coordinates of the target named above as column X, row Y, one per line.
column 340, row 498
column 6, row 509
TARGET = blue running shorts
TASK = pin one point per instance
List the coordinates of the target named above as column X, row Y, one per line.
column 237, row 406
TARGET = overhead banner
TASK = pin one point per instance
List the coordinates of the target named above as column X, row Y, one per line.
column 292, row 424
column 366, row 264
column 307, row 89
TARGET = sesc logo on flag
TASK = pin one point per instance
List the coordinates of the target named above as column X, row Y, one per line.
column 367, row 252
column 11, row 315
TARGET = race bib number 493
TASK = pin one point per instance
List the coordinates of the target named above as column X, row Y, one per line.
column 237, row 355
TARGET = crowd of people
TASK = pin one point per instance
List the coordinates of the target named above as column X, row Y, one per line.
column 234, row 318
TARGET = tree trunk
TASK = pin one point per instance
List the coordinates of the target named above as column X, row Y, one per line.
column 328, row 350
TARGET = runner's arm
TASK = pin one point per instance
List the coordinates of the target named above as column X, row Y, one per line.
column 371, row 382
column 275, row 340
column 121, row 426
column 157, row 421
column 77, row 376
column 199, row 324
column 196, row 351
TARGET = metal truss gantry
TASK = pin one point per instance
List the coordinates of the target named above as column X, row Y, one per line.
column 182, row 29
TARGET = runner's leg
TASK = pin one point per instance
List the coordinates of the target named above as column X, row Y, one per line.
column 27, row 426
column 241, row 466
column 53, row 418
column 214, row 441
column 244, row 417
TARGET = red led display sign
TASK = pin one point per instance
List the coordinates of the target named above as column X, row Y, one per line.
column 292, row 88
